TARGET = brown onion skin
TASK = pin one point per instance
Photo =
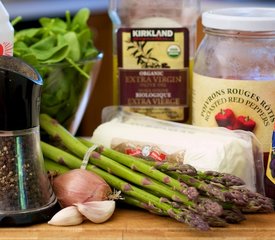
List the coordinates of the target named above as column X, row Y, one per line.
column 80, row 186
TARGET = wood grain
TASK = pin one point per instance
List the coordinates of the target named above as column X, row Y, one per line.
column 102, row 94
column 136, row 224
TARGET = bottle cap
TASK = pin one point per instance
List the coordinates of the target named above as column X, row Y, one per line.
column 240, row 19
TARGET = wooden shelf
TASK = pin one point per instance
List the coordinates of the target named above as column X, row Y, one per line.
column 136, row 224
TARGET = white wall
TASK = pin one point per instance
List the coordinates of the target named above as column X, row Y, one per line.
column 33, row 9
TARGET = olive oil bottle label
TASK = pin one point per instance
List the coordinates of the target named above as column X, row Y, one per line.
column 153, row 70
column 235, row 104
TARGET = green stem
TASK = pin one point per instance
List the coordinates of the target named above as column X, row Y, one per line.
column 60, row 156
column 137, row 203
column 208, row 189
column 16, row 20
column 54, row 167
column 87, row 76
column 52, row 127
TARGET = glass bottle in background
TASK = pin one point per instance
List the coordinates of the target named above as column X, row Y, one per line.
column 234, row 77
column 153, row 48
column 6, row 32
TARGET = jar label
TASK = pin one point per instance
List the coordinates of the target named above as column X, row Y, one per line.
column 235, row 104
column 6, row 48
column 270, row 168
column 153, row 65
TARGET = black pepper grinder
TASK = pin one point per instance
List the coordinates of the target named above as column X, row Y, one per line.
column 26, row 196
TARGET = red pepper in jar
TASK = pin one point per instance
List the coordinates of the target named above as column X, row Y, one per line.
column 225, row 118
column 245, row 123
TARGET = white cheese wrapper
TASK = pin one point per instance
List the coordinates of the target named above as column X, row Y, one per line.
column 217, row 149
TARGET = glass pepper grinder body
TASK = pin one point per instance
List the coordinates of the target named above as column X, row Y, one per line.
column 26, row 195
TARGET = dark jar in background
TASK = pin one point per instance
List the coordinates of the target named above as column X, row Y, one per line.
column 234, row 74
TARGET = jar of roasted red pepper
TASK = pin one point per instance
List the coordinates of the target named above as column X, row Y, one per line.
column 234, row 73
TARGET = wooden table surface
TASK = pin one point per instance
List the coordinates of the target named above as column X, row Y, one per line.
column 137, row 224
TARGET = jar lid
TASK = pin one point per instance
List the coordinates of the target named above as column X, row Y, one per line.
column 242, row 19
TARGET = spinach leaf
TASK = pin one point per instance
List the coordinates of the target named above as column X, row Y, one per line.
column 79, row 22
column 53, row 26
column 55, row 49
column 74, row 46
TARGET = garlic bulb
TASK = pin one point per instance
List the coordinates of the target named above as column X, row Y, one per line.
column 97, row 211
column 67, row 217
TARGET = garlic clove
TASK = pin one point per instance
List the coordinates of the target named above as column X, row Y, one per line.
column 67, row 217
column 97, row 211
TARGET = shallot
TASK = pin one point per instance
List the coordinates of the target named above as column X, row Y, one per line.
column 79, row 186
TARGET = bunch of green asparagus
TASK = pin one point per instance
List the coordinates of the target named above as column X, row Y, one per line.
column 200, row 199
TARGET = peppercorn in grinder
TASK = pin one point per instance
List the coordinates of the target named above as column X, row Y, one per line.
column 26, row 196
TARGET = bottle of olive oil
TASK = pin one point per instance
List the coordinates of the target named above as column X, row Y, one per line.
column 153, row 45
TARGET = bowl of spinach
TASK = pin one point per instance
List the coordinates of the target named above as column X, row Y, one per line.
column 63, row 52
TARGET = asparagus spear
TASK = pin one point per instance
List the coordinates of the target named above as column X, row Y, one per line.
column 178, row 167
column 208, row 189
column 204, row 206
column 255, row 202
column 247, row 200
column 149, row 207
column 54, row 168
column 233, row 215
column 212, row 219
column 225, row 179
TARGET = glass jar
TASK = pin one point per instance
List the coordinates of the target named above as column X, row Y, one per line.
column 153, row 48
column 67, row 89
column 234, row 72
